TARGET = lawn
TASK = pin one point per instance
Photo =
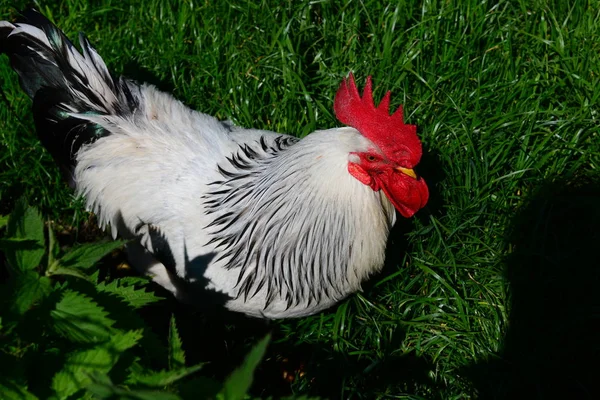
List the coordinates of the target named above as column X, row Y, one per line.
column 488, row 292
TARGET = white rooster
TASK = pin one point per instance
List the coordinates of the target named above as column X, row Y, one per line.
column 276, row 226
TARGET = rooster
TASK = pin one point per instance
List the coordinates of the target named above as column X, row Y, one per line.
column 276, row 226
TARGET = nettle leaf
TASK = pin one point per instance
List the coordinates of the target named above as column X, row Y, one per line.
column 87, row 255
column 136, row 297
column 12, row 244
column 176, row 352
column 11, row 390
column 141, row 376
column 80, row 365
column 134, row 280
column 238, row 383
column 53, row 247
column 103, row 388
column 68, row 271
column 80, row 319
column 25, row 223
column 122, row 341
column 95, row 276
column 27, row 288
column 3, row 221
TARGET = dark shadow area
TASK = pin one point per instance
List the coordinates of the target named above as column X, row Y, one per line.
column 553, row 268
column 194, row 291
column 431, row 169
column 221, row 339
column 328, row 373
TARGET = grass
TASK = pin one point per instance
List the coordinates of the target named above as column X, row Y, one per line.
column 489, row 291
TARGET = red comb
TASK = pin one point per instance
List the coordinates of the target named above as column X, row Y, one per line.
column 398, row 141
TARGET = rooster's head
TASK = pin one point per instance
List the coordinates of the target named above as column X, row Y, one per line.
column 396, row 149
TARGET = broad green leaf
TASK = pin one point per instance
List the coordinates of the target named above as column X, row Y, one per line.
column 140, row 376
column 3, row 221
column 27, row 288
column 122, row 341
column 95, row 276
column 80, row 365
column 134, row 280
column 102, row 388
column 135, row 297
column 80, row 319
column 53, row 247
column 13, row 244
column 176, row 352
column 68, row 271
column 11, row 390
column 238, row 383
column 86, row 255
column 114, row 392
column 25, row 223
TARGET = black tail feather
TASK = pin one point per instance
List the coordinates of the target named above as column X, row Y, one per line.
column 61, row 135
column 62, row 83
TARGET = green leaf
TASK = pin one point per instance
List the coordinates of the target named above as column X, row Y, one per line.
column 176, row 352
column 135, row 297
column 134, row 280
column 237, row 384
column 53, row 247
column 102, row 387
column 68, row 271
column 25, row 223
column 27, row 288
column 79, row 366
column 11, row 390
column 87, row 255
column 12, row 244
column 140, row 376
column 3, row 221
column 75, row 374
column 122, row 341
column 80, row 319
column 94, row 277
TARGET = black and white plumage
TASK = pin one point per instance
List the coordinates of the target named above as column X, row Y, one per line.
column 280, row 227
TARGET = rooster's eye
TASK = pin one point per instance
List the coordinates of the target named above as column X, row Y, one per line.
column 370, row 158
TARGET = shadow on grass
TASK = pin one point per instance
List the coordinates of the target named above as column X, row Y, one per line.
column 553, row 268
column 330, row 372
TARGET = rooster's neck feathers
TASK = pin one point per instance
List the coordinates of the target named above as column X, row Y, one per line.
column 288, row 218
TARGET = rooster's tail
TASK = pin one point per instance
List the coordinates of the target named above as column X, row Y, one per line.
column 63, row 84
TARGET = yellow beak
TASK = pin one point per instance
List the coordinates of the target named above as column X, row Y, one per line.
column 407, row 171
